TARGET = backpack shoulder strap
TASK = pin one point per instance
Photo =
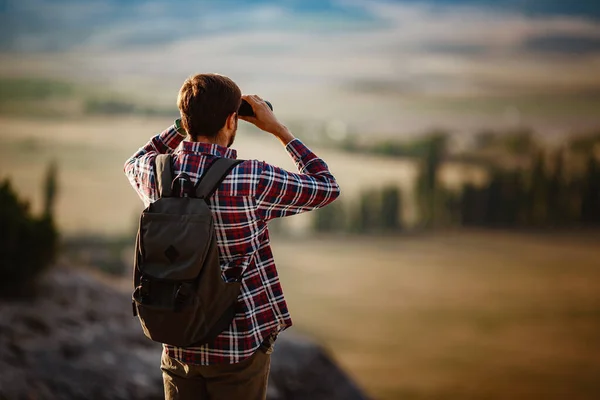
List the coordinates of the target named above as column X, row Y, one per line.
column 164, row 174
column 213, row 176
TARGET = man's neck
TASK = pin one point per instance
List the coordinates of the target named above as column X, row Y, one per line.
column 203, row 139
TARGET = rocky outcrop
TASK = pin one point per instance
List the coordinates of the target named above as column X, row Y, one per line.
column 301, row 370
column 78, row 340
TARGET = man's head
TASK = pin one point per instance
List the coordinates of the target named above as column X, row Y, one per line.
column 208, row 104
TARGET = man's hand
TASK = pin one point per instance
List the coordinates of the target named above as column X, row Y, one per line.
column 265, row 120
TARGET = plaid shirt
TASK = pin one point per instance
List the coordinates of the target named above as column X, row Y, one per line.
column 252, row 194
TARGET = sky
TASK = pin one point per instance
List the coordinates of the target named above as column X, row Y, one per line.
column 360, row 61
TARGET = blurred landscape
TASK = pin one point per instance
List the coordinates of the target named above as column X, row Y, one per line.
column 461, row 260
column 466, row 315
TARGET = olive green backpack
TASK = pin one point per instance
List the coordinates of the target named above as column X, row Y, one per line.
column 179, row 296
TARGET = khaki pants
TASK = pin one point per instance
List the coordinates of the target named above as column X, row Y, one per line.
column 245, row 380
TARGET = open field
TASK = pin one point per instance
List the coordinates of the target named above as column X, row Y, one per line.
column 471, row 315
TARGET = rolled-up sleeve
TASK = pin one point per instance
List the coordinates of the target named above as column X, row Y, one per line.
column 139, row 168
column 281, row 193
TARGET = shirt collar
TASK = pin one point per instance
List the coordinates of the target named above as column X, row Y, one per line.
column 209, row 148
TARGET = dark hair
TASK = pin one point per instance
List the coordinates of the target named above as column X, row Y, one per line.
column 205, row 101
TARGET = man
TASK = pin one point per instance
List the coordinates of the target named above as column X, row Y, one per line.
column 236, row 365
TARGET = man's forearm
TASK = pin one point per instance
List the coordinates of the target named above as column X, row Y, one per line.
column 284, row 135
column 165, row 142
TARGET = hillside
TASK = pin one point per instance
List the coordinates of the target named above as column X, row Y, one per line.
column 78, row 340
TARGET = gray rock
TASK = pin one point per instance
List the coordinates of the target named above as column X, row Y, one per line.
column 78, row 340
column 302, row 370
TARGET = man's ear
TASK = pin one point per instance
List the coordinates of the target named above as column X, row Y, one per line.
column 230, row 124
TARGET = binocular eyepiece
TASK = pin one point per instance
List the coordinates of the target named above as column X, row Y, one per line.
column 246, row 110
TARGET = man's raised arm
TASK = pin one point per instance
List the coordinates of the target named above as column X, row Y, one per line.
column 280, row 193
column 139, row 167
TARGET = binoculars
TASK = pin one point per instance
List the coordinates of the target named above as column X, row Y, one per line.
column 246, row 110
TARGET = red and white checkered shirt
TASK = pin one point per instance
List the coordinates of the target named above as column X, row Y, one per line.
column 252, row 194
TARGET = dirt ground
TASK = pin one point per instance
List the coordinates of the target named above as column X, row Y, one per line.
column 474, row 315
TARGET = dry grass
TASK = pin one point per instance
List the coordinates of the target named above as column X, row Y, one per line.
column 470, row 315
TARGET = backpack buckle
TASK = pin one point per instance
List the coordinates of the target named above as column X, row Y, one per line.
column 182, row 185
column 144, row 288
column 182, row 295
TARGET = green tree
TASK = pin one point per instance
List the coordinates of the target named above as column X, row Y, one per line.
column 427, row 191
column 470, row 206
column 590, row 205
column 520, row 141
column 363, row 213
column 583, row 142
column 390, row 209
column 538, row 193
column 50, row 189
column 329, row 218
column 503, row 198
column 557, row 194
column 28, row 243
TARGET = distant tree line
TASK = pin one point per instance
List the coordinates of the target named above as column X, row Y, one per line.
column 375, row 211
column 535, row 198
column 546, row 194
column 99, row 106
